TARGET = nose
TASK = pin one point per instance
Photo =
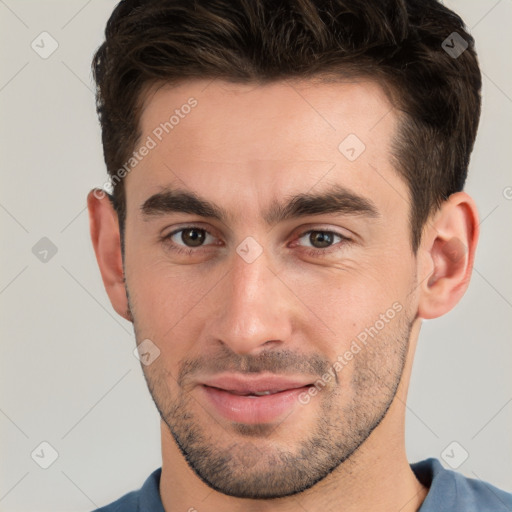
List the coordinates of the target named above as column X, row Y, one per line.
column 254, row 308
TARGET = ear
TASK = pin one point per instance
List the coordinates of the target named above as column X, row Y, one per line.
column 446, row 255
column 106, row 240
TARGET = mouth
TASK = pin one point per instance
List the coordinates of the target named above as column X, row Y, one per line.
column 255, row 394
column 253, row 400
column 256, row 384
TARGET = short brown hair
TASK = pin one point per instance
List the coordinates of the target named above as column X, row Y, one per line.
column 402, row 44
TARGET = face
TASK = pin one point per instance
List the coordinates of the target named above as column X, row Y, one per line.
column 267, row 249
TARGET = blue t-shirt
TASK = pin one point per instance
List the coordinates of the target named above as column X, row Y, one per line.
column 448, row 492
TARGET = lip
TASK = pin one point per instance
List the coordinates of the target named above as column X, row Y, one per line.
column 223, row 394
column 255, row 383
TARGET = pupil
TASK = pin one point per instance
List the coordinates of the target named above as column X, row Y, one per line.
column 324, row 239
column 195, row 237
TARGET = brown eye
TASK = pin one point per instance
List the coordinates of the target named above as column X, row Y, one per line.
column 319, row 242
column 321, row 239
column 193, row 237
column 189, row 237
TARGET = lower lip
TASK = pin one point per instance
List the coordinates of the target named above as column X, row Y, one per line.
column 253, row 410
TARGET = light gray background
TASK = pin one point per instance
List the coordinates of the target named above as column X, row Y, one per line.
column 68, row 375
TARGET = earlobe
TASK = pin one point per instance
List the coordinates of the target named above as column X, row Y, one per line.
column 447, row 254
column 106, row 240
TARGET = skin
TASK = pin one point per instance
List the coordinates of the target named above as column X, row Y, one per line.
column 243, row 147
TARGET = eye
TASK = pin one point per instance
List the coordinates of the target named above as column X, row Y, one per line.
column 189, row 237
column 322, row 241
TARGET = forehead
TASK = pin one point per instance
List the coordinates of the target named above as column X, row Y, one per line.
column 297, row 111
column 266, row 140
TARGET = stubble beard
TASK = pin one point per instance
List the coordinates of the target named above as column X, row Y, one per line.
column 242, row 460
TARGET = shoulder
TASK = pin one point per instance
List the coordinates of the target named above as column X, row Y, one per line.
column 127, row 503
column 449, row 490
column 145, row 499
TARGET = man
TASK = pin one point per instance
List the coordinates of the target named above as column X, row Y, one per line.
column 287, row 207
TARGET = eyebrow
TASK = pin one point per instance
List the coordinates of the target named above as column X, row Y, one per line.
column 335, row 200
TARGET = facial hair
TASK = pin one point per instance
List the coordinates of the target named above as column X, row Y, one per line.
column 242, row 461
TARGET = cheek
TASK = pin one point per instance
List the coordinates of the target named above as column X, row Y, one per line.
column 166, row 298
column 151, row 293
column 347, row 303
column 350, row 292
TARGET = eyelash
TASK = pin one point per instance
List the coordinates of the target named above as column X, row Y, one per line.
column 310, row 252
